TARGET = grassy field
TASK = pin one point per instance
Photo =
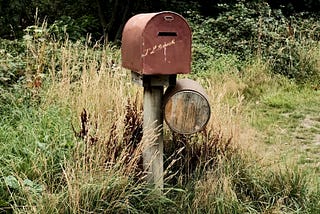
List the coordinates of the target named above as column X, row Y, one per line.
column 71, row 141
column 288, row 119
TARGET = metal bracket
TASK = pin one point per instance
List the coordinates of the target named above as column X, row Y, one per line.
column 153, row 80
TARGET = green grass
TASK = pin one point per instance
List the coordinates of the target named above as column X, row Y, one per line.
column 45, row 168
column 34, row 142
column 288, row 117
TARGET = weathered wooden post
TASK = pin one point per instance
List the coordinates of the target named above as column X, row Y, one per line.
column 152, row 119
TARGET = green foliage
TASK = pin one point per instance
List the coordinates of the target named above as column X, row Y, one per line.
column 34, row 143
column 238, row 186
column 288, row 189
column 12, row 64
column 247, row 30
column 244, row 29
column 79, row 16
column 73, row 29
column 107, row 192
column 287, row 114
column 40, row 169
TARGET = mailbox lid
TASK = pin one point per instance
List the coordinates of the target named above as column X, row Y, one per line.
column 157, row 43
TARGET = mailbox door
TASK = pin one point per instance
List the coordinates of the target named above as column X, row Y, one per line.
column 166, row 46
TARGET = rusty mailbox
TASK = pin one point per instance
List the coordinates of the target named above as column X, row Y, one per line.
column 156, row 47
column 157, row 44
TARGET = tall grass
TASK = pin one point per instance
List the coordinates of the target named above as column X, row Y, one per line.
column 72, row 142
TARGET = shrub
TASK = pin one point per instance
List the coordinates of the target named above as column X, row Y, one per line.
column 254, row 29
column 12, row 63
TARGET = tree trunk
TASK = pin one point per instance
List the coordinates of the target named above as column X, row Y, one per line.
column 102, row 19
column 123, row 20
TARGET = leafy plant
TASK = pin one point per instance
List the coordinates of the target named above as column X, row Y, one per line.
column 247, row 30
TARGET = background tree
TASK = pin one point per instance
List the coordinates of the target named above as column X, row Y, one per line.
column 106, row 18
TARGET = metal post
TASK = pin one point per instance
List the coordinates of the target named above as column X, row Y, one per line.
column 153, row 119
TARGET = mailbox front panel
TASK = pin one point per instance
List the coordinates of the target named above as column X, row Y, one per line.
column 166, row 45
column 157, row 43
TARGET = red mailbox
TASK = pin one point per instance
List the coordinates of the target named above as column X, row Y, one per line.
column 157, row 44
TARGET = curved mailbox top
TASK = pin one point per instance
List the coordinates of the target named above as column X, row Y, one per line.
column 157, row 43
